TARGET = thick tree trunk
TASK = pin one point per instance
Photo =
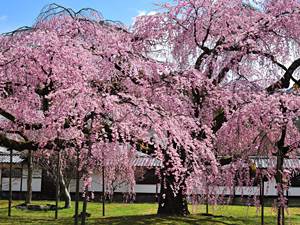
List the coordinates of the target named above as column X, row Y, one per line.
column 170, row 203
column 29, row 178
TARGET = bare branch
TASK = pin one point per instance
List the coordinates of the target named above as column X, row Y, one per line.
column 284, row 82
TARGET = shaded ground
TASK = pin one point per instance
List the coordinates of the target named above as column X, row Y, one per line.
column 142, row 214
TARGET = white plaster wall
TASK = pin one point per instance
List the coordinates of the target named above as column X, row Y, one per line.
column 16, row 182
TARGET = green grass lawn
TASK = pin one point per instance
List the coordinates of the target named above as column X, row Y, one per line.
column 119, row 214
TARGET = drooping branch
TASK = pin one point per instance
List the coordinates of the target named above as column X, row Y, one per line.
column 17, row 145
column 270, row 57
column 12, row 118
column 222, row 74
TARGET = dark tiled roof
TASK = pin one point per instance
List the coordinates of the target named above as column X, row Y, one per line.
column 144, row 160
column 264, row 162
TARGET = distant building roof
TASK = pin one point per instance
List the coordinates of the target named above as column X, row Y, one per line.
column 5, row 156
column 141, row 159
column 265, row 162
column 145, row 160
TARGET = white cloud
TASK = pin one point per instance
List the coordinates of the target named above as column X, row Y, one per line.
column 3, row 18
column 143, row 13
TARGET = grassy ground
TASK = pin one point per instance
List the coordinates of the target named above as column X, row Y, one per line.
column 142, row 214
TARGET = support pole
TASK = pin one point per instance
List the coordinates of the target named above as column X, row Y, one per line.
column 29, row 177
column 206, row 197
column 262, row 192
column 206, row 204
column 279, row 171
column 103, row 193
column 156, row 192
column 89, row 154
column 77, row 188
column 57, row 184
column 84, row 207
column 287, row 197
column 282, row 216
column 0, row 184
column 21, row 183
column 282, row 212
column 279, row 216
column 10, row 182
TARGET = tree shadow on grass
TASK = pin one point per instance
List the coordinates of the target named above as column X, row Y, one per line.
column 20, row 220
column 192, row 219
column 140, row 220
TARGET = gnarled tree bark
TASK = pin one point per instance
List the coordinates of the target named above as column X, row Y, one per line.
column 171, row 203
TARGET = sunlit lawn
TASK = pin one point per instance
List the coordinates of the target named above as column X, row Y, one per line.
column 118, row 213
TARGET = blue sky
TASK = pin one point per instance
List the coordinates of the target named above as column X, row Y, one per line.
column 18, row 13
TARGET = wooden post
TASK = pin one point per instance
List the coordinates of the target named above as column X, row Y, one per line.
column 84, row 207
column 103, row 192
column 279, row 210
column 10, row 181
column 279, row 180
column 21, row 183
column 287, row 197
column 0, row 183
column 207, row 190
column 234, row 192
column 29, row 177
column 57, row 184
column 282, row 211
column 77, row 188
column 156, row 192
column 262, row 198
